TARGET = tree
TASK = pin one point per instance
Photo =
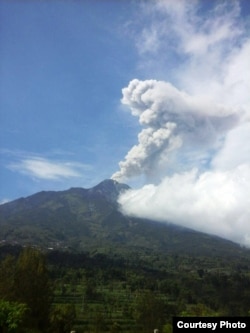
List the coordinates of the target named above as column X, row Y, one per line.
column 198, row 310
column 32, row 286
column 7, row 272
column 62, row 318
column 11, row 315
column 149, row 311
column 25, row 280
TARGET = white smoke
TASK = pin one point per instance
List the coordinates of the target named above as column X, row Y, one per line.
column 215, row 202
column 196, row 131
column 172, row 119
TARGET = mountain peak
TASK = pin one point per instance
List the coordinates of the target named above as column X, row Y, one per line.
column 110, row 189
column 90, row 219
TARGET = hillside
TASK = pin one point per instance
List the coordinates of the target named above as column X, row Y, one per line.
column 114, row 273
column 89, row 219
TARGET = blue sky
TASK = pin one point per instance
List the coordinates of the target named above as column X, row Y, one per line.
column 151, row 93
column 63, row 64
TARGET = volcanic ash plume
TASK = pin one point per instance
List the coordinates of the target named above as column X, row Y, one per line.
column 172, row 120
column 193, row 147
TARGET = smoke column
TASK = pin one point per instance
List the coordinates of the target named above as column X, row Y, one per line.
column 193, row 147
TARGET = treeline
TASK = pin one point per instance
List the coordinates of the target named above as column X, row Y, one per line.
column 26, row 296
column 119, row 295
column 94, row 292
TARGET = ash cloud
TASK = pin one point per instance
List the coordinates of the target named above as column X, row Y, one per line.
column 193, row 147
column 172, row 120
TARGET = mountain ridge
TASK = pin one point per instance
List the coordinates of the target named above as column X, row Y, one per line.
column 88, row 219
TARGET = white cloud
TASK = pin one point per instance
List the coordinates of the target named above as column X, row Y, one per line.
column 181, row 26
column 194, row 140
column 42, row 168
column 235, row 150
column 214, row 202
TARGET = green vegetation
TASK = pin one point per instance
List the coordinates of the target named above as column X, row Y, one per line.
column 25, row 281
column 11, row 315
column 59, row 291
column 91, row 269
column 89, row 219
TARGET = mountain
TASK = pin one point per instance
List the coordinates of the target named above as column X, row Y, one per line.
column 89, row 219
